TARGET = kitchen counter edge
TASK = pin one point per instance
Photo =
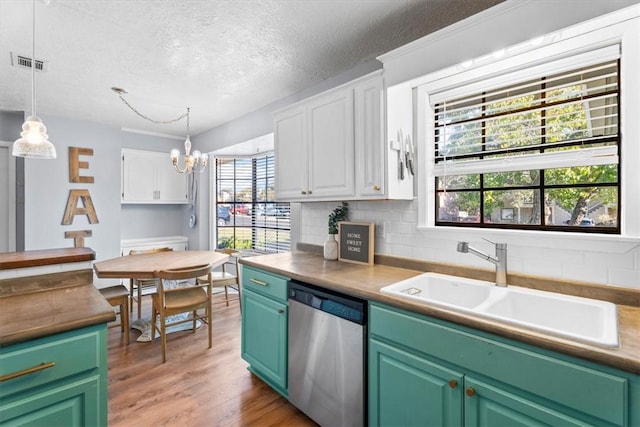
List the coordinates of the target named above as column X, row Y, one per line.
column 364, row 281
column 68, row 309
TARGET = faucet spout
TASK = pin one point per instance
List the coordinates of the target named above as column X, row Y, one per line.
column 499, row 260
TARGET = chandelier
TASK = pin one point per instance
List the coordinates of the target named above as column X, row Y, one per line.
column 33, row 142
column 194, row 162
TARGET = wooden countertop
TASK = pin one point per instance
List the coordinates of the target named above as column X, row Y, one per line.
column 38, row 258
column 365, row 282
column 38, row 306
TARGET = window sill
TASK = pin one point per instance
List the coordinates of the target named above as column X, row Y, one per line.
column 543, row 239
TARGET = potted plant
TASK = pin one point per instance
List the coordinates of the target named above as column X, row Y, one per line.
column 331, row 245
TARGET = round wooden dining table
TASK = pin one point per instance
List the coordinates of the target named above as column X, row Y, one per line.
column 142, row 266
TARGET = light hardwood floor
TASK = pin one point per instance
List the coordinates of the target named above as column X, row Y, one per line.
column 197, row 386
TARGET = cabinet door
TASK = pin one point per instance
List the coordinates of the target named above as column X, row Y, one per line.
column 138, row 177
column 331, row 145
column 369, row 144
column 72, row 404
column 406, row 390
column 487, row 405
column 264, row 338
column 171, row 186
column 291, row 155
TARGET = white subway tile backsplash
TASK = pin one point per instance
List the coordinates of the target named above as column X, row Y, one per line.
column 625, row 260
column 554, row 256
column 564, row 256
column 585, row 273
column 542, row 268
column 626, row 278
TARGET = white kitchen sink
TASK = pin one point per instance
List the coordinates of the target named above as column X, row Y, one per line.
column 582, row 319
column 449, row 291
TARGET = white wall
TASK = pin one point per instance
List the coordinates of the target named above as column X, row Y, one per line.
column 558, row 255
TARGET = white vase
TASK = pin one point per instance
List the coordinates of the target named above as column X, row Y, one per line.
column 331, row 248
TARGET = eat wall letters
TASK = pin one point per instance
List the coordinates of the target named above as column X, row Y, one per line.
column 79, row 195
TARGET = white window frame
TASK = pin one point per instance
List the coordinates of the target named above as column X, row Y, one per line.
column 579, row 39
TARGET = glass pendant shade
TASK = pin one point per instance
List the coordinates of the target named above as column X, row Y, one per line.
column 34, row 141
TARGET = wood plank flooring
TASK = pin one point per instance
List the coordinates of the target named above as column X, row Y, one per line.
column 197, row 386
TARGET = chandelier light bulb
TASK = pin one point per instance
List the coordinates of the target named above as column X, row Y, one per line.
column 187, row 146
column 175, row 153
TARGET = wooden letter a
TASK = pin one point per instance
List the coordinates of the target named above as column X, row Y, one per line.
column 73, row 209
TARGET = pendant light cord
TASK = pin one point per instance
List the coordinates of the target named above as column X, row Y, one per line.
column 33, row 62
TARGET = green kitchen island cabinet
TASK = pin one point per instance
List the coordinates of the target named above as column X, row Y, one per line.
column 425, row 371
column 264, row 326
column 59, row 380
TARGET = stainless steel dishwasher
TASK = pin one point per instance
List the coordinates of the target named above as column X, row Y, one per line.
column 327, row 333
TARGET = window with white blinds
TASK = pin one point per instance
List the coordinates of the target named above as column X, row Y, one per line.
column 246, row 215
column 540, row 152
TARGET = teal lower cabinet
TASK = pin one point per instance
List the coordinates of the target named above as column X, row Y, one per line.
column 487, row 405
column 60, row 380
column 406, row 390
column 428, row 372
column 264, row 326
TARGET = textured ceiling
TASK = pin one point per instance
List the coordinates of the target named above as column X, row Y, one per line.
column 221, row 58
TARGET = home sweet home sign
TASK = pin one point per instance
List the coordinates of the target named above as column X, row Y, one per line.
column 79, row 201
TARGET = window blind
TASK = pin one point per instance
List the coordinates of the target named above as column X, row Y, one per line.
column 247, row 215
column 563, row 119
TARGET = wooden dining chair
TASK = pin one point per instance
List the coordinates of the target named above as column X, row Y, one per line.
column 174, row 297
column 136, row 286
column 226, row 278
column 118, row 296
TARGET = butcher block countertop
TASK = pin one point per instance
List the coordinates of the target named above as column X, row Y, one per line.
column 45, row 257
column 38, row 306
column 365, row 282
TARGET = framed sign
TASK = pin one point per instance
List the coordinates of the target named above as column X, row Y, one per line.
column 356, row 242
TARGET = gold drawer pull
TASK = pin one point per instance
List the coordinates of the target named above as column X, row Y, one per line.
column 280, row 311
column 303, row 192
column 453, row 383
column 259, row 282
column 376, row 188
column 40, row 367
column 471, row 392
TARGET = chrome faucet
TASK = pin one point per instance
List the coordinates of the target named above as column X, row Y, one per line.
column 500, row 260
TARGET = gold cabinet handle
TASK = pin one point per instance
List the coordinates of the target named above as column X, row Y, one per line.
column 309, row 191
column 259, row 282
column 303, row 192
column 37, row 368
column 471, row 392
column 280, row 310
column 453, row 383
column 376, row 188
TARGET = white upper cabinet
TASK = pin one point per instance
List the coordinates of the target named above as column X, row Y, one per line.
column 370, row 147
column 332, row 147
column 291, row 159
column 314, row 146
column 149, row 177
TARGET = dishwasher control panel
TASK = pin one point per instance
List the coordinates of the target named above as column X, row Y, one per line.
column 340, row 305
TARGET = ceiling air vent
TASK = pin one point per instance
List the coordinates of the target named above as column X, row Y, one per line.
column 23, row 61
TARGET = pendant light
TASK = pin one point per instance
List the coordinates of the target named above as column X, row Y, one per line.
column 34, row 142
